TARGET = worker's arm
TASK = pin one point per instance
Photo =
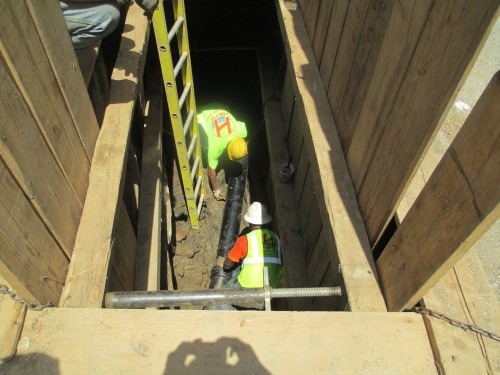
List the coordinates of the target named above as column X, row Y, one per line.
column 236, row 254
column 212, row 178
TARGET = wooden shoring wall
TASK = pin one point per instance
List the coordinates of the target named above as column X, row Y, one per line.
column 390, row 70
column 48, row 133
column 328, row 216
column 105, row 245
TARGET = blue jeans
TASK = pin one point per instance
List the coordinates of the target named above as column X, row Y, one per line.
column 90, row 22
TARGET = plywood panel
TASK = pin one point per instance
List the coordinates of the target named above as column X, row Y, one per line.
column 157, row 342
column 448, row 45
column 32, row 163
column 332, row 42
column 88, row 270
column 340, row 213
column 462, row 198
column 30, row 259
column 39, row 88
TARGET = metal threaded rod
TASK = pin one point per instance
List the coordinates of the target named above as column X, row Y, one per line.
column 306, row 292
column 248, row 297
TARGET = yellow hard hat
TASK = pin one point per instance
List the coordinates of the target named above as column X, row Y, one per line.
column 237, row 148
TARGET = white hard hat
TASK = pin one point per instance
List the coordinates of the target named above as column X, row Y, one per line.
column 257, row 214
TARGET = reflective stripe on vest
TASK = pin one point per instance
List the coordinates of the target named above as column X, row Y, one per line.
column 251, row 275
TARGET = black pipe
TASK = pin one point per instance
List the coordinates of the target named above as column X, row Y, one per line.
column 231, row 219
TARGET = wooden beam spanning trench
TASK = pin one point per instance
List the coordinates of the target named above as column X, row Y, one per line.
column 332, row 183
column 88, row 271
column 222, row 342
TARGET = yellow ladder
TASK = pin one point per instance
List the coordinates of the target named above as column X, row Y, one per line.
column 187, row 140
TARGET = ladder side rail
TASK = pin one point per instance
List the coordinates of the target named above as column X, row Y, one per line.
column 187, row 76
column 171, row 91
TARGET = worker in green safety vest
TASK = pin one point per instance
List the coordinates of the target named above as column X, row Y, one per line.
column 220, row 132
column 258, row 248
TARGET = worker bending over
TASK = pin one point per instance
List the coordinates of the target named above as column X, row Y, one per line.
column 220, row 132
column 257, row 249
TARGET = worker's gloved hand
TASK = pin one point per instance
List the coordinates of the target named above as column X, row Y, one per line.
column 148, row 5
column 220, row 261
column 218, row 195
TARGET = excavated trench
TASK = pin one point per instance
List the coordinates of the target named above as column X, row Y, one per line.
column 225, row 37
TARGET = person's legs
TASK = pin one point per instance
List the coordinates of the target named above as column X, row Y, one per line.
column 89, row 23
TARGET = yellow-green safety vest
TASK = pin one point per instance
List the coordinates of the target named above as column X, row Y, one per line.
column 264, row 250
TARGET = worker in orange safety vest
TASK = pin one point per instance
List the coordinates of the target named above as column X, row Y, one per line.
column 253, row 251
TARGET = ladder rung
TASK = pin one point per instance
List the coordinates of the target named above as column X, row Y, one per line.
column 197, row 188
column 192, row 145
column 195, row 167
column 189, row 120
column 175, row 28
column 180, row 63
column 200, row 205
column 184, row 95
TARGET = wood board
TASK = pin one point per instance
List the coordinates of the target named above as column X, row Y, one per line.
column 222, row 342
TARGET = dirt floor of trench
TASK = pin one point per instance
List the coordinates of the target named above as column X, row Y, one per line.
column 193, row 253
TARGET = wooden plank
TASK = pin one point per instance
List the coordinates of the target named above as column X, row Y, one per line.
column 11, row 323
column 348, row 43
column 296, row 138
column 157, row 342
column 340, row 213
column 318, row 262
column 323, row 23
column 462, row 198
column 149, row 227
column 286, row 211
column 365, row 60
column 20, row 47
column 444, row 52
column 311, row 18
column 332, row 42
column 313, row 229
column 407, row 19
column 59, row 50
column 304, row 204
column 123, row 257
column 31, row 161
column 88, row 270
column 301, row 171
column 285, row 216
column 30, row 259
column 462, row 294
column 87, row 58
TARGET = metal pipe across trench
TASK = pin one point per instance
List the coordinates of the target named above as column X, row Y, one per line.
column 247, row 298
